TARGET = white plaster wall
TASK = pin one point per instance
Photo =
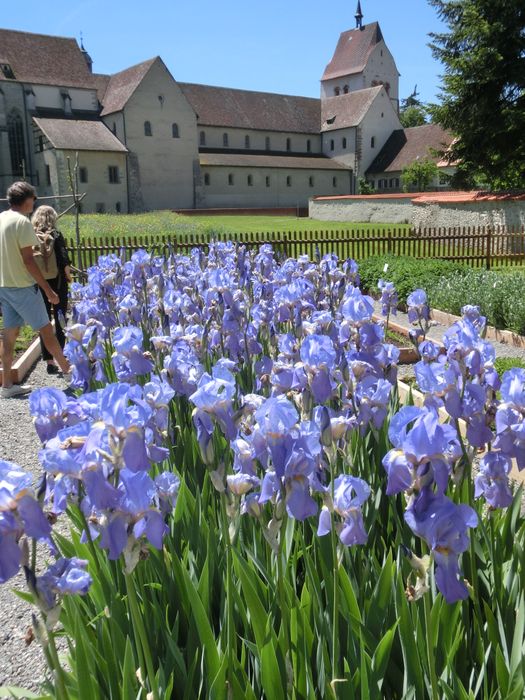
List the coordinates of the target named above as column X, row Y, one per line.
column 220, row 194
column 236, row 139
column 354, row 82
column 381, row 67
column 98, row 189
column 166, row 164
column 115, row 123
column 346, row 156
column 49, row 97
column 380, row 121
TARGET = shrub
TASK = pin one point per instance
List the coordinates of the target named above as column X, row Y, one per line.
column 502, row 364
column 500, row 296
column 406, row 273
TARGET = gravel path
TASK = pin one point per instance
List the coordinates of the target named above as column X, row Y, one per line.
column 20, row 665
column 437, row 331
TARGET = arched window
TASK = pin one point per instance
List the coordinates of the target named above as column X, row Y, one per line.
column 332, row 144
column 15, row 136
column 268, row 143
column 373, row 142
column 267, row 181
column 230, row 179
column 344, row 142
column 346, row 89
column 308, row 145
column 250, row 180
column 246, row 141
column 337, row 91
column 288, row 144
column 175, row 130
column 288, row 181
column 202, row 138
column 311, row 181
column 147, row 129
column 334, row 181
column 207, row 179
column 225, row 140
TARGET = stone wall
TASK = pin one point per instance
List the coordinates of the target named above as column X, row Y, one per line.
column 436, row 210
column 392, row 209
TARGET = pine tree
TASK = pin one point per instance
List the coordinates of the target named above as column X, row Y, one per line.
column 483, row 89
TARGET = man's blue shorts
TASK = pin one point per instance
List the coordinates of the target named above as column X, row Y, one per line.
column 23, row 306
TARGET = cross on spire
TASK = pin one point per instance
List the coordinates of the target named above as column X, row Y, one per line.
column 359, row 16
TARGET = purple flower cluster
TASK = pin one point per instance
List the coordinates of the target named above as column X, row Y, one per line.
column 98, row 450
column 429, row 456
column 388, row 299
column 20, row 515
column 283, row 361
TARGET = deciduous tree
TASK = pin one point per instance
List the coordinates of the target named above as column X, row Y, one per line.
column 419, row 174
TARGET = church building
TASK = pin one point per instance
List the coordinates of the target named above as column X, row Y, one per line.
column 146, row 141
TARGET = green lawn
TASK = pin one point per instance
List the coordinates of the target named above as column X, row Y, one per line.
column 175, row 225
column 24, row 340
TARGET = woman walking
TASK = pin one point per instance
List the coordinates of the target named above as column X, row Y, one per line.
column 53, row 260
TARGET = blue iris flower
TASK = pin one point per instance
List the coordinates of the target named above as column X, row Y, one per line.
column 20, row 514
column 350, row 494
column 444, row 527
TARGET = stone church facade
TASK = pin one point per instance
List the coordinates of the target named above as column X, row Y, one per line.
column 146, row 141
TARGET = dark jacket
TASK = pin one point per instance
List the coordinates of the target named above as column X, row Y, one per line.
column 63, row 259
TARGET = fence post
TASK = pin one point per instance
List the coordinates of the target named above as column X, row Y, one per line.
column 489, row 247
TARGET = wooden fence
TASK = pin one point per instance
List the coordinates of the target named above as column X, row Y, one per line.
column 479, row 247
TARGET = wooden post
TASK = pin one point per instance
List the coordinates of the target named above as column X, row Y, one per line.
column 489, row 248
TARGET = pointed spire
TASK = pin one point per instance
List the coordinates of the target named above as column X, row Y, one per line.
column 87, row 57
column 359, row 16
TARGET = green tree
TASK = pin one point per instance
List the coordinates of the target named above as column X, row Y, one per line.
column 413, row 115
column 419, row 174
column 365, row 187
column 483, row 89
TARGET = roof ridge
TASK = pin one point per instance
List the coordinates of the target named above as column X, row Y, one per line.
column 255, row 92
column 134, row 66
column 47, row 36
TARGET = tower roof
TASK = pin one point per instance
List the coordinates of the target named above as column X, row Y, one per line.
column 359, row 15
column 352, row 51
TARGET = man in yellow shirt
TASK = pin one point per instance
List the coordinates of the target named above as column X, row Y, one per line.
column 20, row 277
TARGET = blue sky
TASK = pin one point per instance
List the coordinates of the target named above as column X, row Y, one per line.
column 275, row 45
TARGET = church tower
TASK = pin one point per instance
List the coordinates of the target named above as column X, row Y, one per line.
column 361, row 60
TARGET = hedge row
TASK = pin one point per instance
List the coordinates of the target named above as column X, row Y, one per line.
column 406, row 273
column 500, row 295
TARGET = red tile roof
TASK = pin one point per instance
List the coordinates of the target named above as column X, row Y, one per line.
column 246, row 109
column 76, row 135
column 348, row 110
column 44, row 60
column 121, row 86
column 101, row 83
column 352, row 51
column 465, row 197
column 248, row 160
column 456, row 197
column 404, row 146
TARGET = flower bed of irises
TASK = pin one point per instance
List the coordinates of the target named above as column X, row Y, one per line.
column 235, row 504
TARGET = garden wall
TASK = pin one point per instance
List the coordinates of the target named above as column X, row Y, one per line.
column 436, row 209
